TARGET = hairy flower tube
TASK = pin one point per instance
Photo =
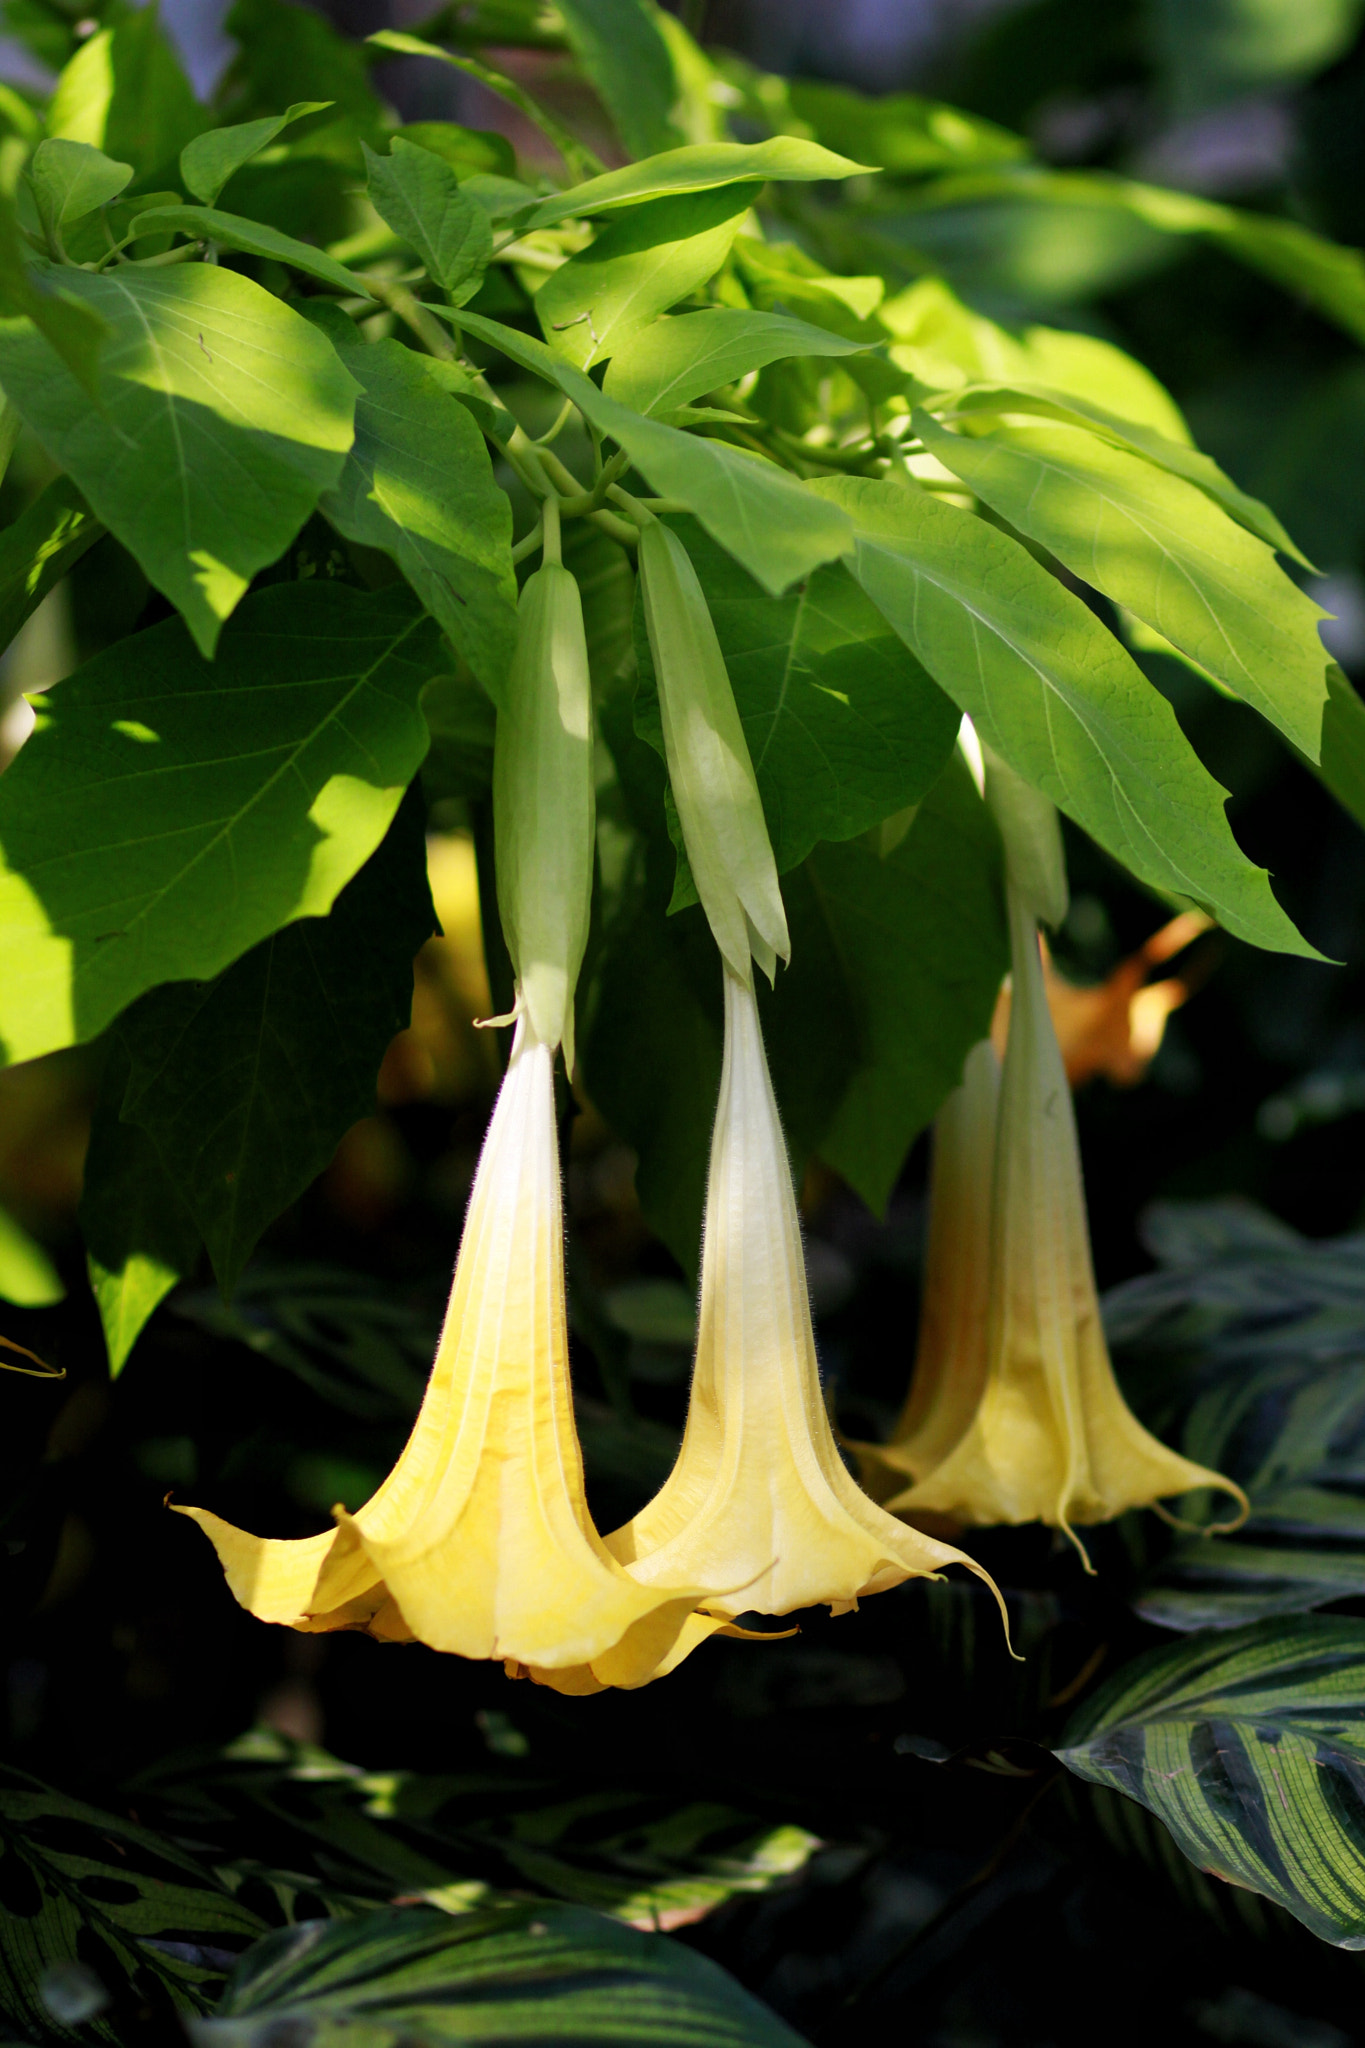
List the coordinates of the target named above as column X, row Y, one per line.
column 760, row 1508
column 1051, row 1438
column 951, row 1354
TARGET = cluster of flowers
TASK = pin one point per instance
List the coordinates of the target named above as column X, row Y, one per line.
column 480, row 1541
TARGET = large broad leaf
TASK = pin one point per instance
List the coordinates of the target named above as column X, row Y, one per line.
column 140, row 1239
column 1249, row 1349
column 223, row 416
column 844, row 727
column 664, row 367
column 209, row 224
column 644, row 1858
column 638, row 266
column 531, row 1974
column 169, row 812
column 45, row 541
column 209, row 161
column 1159, row 546
column 1057, row 697
column 621, row 48
column 418, row 194
column 418, row 483
column 126, row 93
column 1250, row 1748
column 246, row 1084
column 101, row 1918
column 778, row 528
column 693, row 169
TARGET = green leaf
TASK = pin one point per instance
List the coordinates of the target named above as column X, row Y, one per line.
column 576, row 156
column 778, row 528
column 1057, row 698
column 419, row 484
column 907, row 135
column 1160, row 547
column 419, row 195
column 245, row 1085
column 277, row 41
column 74, row 330
column 694, row 168
column 28, row 1277
column 126, row 93
column 1248, row 1746
column 920, row 934
column 208, row 224
column 167, row 813
column 518, row 1973
column 663, row 367
column 129, row 1908
column 620, row 47
column 36, row 551
column 70, row 179
column 843, row 725
column 1342, row 767
column 223, row 417
column 638, row 266
column 471, row 152
column 140, row 1239
column 209, row 161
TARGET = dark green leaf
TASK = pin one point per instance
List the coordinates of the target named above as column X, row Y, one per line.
column 472, row 152
column 75, row 331
column 1342, row 767
column 79, row 1886
column 223, row 417
column 1249, row 1747
column 246, row 1084
column 277, row 41
column 622, row 50
column 1057, row 697
column 140, row 1239
column 44, row 542
column 209, row 161
column 125, row 92
column 534, row 1974
column 419, row 195
column 169, row 812
column 418, row 483
column 208, row 224
column 844, row 727
column 904, row 134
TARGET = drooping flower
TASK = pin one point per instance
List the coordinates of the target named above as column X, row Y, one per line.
column 479, row 1542
column 760, row 1507
column 1051, row 1438
column 951, row 1354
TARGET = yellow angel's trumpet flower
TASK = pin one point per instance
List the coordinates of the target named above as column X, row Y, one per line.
column 951, row 1355
column 1051, row 1439
column 759, row 1500
column 479, row 1541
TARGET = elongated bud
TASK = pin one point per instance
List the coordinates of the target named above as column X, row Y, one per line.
column 543, row 803
column 712, row 776
column 1034, row 861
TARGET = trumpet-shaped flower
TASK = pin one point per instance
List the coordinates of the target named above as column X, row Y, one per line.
column 951, row 1355
column 479, row 1541
column 760, row 1508
column 1051, row 1438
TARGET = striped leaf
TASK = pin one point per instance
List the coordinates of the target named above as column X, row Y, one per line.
column 1251, row 1343
column 1250, row 1746
column 554, row 1975
column 99, row 1917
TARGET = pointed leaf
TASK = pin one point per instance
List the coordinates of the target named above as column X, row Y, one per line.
column 125, row 92
column 223, row 417
column 1160, row 547
column 665, row 366
column 1057, row 698
column 1249, row 1747
column 208, row 224
column 419, row 195
column 167, row 813
column 70, row 179
column 693, row 169
column 209, row 161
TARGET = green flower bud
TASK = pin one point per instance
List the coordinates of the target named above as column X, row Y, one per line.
column 1035, row 864
column 543, row 803
column 709, row 768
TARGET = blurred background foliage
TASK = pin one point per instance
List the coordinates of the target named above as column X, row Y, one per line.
column 876, row 1835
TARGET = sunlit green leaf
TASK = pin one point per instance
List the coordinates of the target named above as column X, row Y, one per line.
column 694, row 168
column 169, row 812
column 663, row 367
column 209, row 224
column 70, row 179
column 209, row 161
column 419, row 195
column 125, row 92
column 28, row 1277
